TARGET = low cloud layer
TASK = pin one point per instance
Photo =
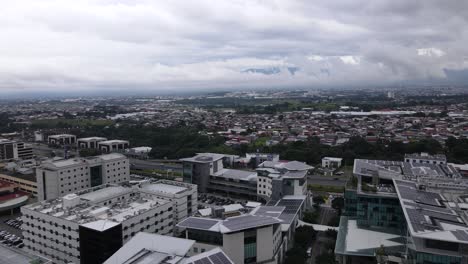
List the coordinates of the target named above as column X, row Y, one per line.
column 160, row 45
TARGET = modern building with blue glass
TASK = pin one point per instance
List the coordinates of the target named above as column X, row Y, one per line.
column 416, row 211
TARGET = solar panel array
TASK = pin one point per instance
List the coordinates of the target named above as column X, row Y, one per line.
column 441, row 209
column 248, row 221
column 292, row 207
column 198, row 223
column 460, row 235
column 218, row 258
column 273, row 211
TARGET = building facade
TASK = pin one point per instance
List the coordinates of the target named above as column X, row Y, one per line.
column 12, row 150
column 90, row 225
column 57, row 178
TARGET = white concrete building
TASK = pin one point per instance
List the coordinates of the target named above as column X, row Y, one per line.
column 58, row 178
column 113, row 145
column 90, row 225
column 330, row 162
column 183, row 195
column 61, row 139
column 277, row 179
column 147, row 248
column 245, row 239
column 89, row 142
column 426, row 158
column 12, row 150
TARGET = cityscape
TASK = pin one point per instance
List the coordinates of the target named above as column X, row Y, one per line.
column 232, row 132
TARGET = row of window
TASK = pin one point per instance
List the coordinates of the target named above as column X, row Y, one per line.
column 52, row 256
column 40, row 235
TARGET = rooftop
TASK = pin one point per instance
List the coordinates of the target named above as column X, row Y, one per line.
column 213, row 256
column 369, row 240
column 229, row 225
column 147, row 248
column 163, row 188
column 286, row 165
column 92, row 139
column 426, row 156
column 236, row 174
column 113, row 141
column 204, row 158
column 432, row 214
column 87, row 206
column 405, row 170
column 65, row 163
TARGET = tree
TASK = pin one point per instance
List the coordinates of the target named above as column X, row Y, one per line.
column 338, row 204
column 381, row 255
column 295, row 255
column 326, row 258
column 318, row 200
column 310, row 217
column 304, row 236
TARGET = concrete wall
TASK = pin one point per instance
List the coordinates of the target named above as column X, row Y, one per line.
column 265, row 245
column 233, row 246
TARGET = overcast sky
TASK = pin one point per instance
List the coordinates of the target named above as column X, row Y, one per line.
column 82, row 45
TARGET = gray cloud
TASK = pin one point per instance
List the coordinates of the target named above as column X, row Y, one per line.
column 104, row 44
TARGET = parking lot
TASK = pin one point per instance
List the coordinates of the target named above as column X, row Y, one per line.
column 10, row 231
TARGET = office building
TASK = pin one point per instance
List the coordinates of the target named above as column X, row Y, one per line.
column 115, row 145
column 25, row 182
column 89, row 226
column 147, row 248
column 280, row 178
column 245, row 239
column 271, row 180
column 57, row 178
column 62, row 140
column 426, row 158
column 89, row 142
column 12, row 150
column 197, row 170
column 261, row 236
column 415, row 210
column 183, row 195
column 330, row 162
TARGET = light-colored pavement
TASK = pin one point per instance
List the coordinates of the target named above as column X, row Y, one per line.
column 9, row 256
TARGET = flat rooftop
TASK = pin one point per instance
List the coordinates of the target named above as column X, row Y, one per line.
column 236, row 174
column 426, row 156
column 65, row 163
column 92, row 139
column 400, row 169
column 147, row 248
column 90, row 208
column 286, row 165
column 113, row 141
column 357, row 241
column 204, row 158
column 229, row 225
column 433, row 215
column 163, row 188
